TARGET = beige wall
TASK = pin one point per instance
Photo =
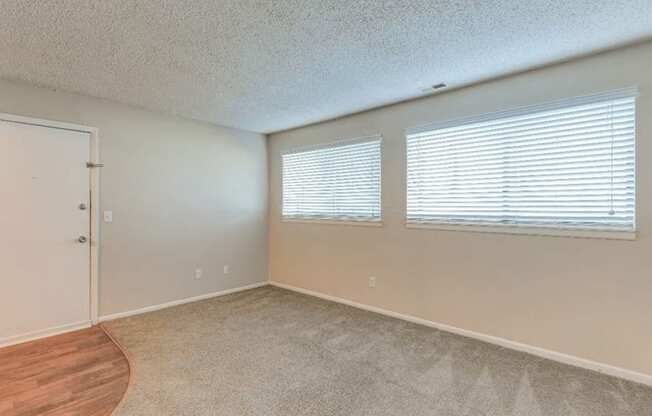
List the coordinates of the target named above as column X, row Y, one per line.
column 184, row 194
column 585, row 297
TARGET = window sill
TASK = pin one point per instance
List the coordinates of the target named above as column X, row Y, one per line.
column 531, row 231
column 333, row 222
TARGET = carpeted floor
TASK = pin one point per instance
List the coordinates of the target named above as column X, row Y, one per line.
column 270, row 352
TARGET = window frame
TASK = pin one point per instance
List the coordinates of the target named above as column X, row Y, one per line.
column 336, row 221
column 529, row 229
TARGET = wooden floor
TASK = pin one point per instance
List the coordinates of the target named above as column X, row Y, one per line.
column 79, row 373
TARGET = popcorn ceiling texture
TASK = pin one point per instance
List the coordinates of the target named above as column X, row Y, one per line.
column 272, row 65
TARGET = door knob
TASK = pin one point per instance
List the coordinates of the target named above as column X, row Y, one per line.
column 82, row 239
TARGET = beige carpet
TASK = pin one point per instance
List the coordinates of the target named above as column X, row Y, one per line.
column 271, row 352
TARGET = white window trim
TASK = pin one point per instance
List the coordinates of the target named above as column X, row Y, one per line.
column 325, row 221
column 529, row 230
column 340, row 142
column 524, row 110
column 334, row 221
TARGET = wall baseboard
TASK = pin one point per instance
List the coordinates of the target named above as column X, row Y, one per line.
column 513, row 345
column 153, row 308
column 31, row 336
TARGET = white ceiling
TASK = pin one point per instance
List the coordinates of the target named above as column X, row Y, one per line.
column 272, row 65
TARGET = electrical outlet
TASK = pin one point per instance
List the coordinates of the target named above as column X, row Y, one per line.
column 198, row 273
column 227, row 269
column 372, row 281
column 108, row 216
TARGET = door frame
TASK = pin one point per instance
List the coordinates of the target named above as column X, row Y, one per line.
column 94, row 183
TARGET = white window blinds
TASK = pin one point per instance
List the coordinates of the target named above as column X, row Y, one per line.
column 334, row 182
column 562, row 165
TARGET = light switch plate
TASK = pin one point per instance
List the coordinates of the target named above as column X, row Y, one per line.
column 108, row 216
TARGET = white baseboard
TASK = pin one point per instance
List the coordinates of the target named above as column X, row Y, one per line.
column 153, row 308
column 540, row 352
column 31, row 336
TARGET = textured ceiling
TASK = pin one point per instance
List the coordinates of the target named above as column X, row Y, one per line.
column 271, row 65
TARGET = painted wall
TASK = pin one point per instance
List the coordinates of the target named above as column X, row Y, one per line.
column 184, row 194
column 585, row 297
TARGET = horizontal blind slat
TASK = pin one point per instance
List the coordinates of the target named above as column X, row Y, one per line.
column 340, row 181
column 567, row 167
column 498, row 119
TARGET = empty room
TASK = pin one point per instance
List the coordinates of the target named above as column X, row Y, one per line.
column 325, row 208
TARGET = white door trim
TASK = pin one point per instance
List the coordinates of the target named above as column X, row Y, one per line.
column 94, row 180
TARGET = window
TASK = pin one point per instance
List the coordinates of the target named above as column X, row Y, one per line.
column 339, row 181
column 563, row 165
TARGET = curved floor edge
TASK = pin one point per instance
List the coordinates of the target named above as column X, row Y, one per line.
column 129, row 364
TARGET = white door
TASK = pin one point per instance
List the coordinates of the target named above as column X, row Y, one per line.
column 44, row 231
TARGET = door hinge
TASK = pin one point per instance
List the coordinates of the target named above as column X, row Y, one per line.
column 92, row 165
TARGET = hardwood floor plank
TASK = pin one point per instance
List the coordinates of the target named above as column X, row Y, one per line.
column 79, row 373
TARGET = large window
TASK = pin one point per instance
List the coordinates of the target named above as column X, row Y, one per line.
column 564, row 165
column 338, row 181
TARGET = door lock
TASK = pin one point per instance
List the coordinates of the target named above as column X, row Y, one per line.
column 82, row 239
column 82, row 206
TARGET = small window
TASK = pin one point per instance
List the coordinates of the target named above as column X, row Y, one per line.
column 567, row 165
column 338, row 181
